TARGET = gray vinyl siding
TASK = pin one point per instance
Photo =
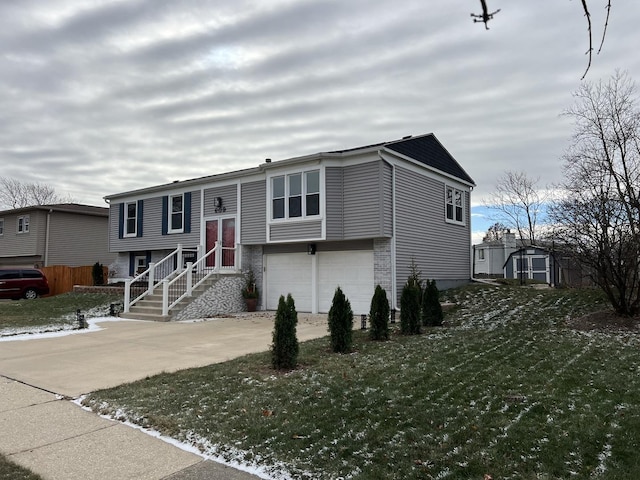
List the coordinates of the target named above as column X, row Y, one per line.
column 253, row 220
column 334, row 201
column 14, row 244
column 359, row 202
column 367, row 194
column 296, row 231
column 229, row 196
column 441, row 250
column 77, row 240
column 320, row 247
column 152, row 238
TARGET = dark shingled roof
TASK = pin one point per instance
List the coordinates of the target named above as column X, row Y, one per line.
column 428, row 150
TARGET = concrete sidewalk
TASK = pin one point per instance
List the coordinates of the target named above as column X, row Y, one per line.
column 44, row 431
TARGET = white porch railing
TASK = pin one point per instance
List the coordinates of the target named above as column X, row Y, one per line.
column 153, row 275
column 182, row 285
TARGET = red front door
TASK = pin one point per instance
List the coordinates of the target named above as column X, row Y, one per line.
column 222, row 231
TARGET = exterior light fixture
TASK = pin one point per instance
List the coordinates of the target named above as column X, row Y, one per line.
column 311, row 248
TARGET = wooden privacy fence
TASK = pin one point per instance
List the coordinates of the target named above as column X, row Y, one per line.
column 62, row 278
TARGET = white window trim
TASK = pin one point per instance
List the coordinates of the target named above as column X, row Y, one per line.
column 170, row 214
column 304, row 216
column 126, row 218
column 25, row 224
column 463, row 197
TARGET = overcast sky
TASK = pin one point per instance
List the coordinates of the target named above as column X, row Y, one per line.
column 99, row 97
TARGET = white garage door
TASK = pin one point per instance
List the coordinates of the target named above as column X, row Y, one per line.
column 293, row 273
column 352, row 271
column 288, row 273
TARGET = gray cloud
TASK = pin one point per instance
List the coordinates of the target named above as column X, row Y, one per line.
column 102, row 97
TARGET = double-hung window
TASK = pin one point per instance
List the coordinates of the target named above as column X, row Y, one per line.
column 23, row 224
column 454, row 205
column 176, row 213
column 296, row 195
column 131, row 219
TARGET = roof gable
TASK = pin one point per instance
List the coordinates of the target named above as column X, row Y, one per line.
column 427, row 150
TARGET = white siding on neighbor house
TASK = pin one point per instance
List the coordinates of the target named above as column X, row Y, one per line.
column 441, row 250
column 152, row 238
column 229, row 196
column 78, row 240
column 253, row 218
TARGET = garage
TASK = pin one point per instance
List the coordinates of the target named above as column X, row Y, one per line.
column 313, row 279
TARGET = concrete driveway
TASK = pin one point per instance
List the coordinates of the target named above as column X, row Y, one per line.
column 58, row 440
column 125, row 351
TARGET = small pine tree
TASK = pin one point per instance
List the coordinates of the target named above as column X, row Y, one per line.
column 341, row 323
column 284, row 350
column 379, row 315
column 432, row 315
column 97, row 273
column 410, row 309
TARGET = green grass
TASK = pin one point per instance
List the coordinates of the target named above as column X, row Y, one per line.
column 505, row 389
column 11, row 471
column 52, row 312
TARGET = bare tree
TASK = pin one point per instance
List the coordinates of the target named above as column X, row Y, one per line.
column 495, row 232
column 17, row 194
column 518, row 203
column 485, row 17
column 599, row 215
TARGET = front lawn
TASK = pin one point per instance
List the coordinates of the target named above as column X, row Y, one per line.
column 11, row 471
column 52, row 313
column 506, row 389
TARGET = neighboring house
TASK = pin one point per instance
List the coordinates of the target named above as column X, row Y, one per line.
column 490, row 255
column 548, row 264
column 351, row 218
column 61, row 234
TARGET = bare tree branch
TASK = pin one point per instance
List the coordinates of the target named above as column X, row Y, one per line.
column 606, row 24
column 590, row 51
column 485, row 16
column 17, row 194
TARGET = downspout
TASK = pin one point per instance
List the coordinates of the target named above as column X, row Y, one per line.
column 394, row 286
column 46, row 239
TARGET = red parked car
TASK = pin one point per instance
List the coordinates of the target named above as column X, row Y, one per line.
column 17, row 283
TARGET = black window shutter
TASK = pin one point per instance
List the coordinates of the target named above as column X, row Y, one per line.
column 187, row 212
column 165, row 213
column 139, row 220
column 132, row 263
column 121, row 221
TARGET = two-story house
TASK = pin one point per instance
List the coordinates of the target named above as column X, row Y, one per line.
column 62, row 234
column 352, row 218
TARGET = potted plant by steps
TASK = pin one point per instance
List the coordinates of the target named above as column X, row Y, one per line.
column 250, row 292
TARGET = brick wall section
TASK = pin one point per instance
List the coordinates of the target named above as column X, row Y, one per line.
column 382, row 272
column 252, row 259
